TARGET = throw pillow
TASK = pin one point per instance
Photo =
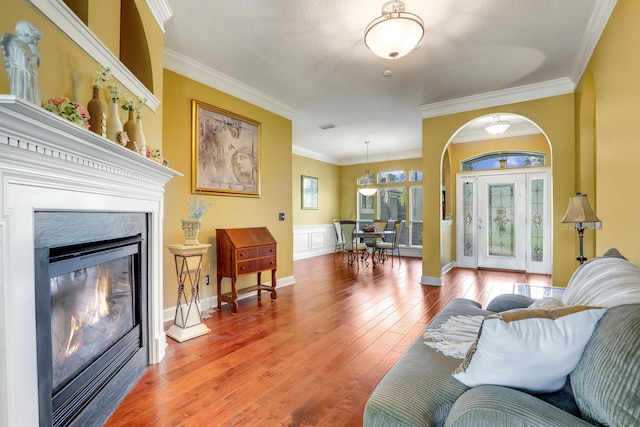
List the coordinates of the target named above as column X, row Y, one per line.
column 529, row 349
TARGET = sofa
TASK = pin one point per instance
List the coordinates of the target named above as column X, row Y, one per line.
column 602, row 389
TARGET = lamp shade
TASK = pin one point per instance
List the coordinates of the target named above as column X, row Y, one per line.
column 580, row 214
column 395, row 33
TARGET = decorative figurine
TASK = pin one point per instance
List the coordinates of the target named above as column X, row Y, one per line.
column 22, row 59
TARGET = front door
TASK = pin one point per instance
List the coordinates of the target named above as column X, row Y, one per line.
column 502, row 220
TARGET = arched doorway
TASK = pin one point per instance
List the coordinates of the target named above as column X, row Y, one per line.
column 497, row 196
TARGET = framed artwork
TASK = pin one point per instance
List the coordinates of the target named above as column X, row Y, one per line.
column 309, row 192
column 225, row 152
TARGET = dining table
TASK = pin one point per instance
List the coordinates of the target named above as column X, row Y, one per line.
column 373, row 236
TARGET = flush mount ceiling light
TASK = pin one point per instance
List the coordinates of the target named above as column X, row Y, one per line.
column 367, row 188
column 497, row 126
column 395, row 33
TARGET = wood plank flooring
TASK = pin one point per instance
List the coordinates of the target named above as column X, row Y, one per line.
column 310, row 358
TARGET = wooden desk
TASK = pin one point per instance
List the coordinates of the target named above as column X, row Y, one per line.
column 242, row 251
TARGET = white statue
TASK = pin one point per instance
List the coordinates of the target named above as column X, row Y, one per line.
column 22, row 59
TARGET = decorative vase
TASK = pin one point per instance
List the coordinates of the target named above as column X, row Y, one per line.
column 191, row 228
column 97, row 113
column 142, row 142
column 133, row 131
column 114, row 125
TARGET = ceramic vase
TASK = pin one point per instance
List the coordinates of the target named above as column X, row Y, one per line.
column 133, row 131
column 191, row 228
column 142, row 142
column 97, row 113
column 114, row 125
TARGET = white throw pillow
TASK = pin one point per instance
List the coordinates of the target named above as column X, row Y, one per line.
column 529, row 349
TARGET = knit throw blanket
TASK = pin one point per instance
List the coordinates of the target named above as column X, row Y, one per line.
column 602, row 282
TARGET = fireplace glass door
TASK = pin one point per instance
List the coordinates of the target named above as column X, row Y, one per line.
column 92, row 308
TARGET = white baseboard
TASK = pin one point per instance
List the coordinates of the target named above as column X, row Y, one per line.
column 211, row 303
column 431, row 281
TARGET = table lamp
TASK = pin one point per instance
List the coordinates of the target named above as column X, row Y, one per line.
column 580, row 214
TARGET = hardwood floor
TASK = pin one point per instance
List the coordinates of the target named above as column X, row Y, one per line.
column 310, row 358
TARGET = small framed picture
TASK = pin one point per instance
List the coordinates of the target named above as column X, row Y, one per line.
column 225, row 150
column 309, row 190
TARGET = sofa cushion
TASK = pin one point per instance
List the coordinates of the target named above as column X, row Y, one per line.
column 529, row 349
column 507, row 302
column 419, row 389
column 491, row 406
column 606, row 381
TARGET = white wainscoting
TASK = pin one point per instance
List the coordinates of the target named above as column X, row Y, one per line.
column 313, row 240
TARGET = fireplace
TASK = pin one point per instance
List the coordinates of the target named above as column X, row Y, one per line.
column 90, row 294
column 91, row 196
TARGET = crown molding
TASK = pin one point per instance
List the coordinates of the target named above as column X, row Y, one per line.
column 561, row 86
column 598, row 21
column 161, row 11
column 300, row 151
column 194, row 70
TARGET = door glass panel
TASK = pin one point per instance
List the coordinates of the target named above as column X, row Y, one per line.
column 537, row 223
column 501, row 220
column 467, row 211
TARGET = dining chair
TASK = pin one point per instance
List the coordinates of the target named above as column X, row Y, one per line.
column 339, row 246
column 394, row 244
column 381, row 225
column 352, row 248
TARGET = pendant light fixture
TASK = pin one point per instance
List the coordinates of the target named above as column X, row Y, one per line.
column 367, row 188
column 395, row 33
column 497, row 126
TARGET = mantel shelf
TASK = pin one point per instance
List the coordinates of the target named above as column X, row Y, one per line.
column 31, row 128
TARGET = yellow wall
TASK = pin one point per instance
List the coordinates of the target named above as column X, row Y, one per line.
column 226, row 211
column 328, row 196
column 555, row 116
column 66, row 70
column 608, row 111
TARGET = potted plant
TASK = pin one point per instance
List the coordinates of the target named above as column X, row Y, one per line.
column 191, row 227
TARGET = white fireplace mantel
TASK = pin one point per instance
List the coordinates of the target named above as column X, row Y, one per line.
column 49, row 163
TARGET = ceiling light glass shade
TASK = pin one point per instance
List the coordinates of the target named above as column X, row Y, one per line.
column 497, row 127
column 395, row 33
column 367, row 190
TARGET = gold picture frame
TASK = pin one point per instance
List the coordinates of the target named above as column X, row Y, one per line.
column 309, row 192
column 225, row 152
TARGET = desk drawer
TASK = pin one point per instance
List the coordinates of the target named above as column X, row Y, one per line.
column 246, row 267
column 267, row 251
column 248, row 253
column 267, row 263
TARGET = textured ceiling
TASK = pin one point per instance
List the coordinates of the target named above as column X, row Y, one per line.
column 306, row 60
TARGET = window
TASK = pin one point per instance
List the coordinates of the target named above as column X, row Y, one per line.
column 395, row 201
column 365, row 207
column 501, row 160
column 392, row 203
column 415, row 221
column 415, row 176
column 391, row 176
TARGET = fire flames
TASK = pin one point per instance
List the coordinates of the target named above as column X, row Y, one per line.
column 95, row 310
